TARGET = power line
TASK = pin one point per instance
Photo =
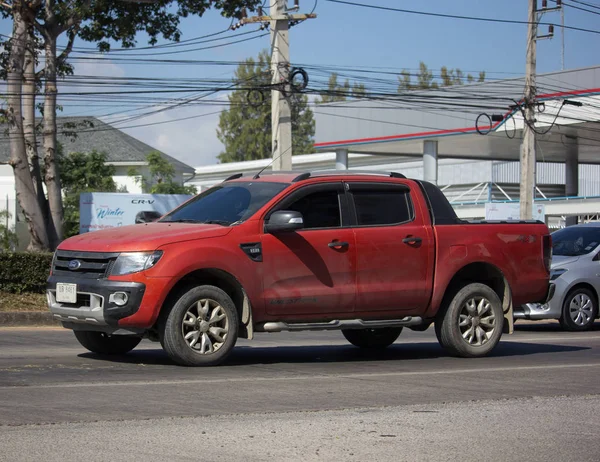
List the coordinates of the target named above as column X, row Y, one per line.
column 455, row 16
column 203, row 48
column 580, row 8
column 591, row 5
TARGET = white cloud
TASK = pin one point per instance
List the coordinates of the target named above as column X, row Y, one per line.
column 72, row 89
column 193, row 141
column 99, row 66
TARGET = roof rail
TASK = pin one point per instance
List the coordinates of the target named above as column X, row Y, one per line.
column 301, row 177
column 235, row 176
column 307, row 175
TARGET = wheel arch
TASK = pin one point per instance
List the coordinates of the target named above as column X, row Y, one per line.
column 484, row 273
column 579, row 285
column 224, row 281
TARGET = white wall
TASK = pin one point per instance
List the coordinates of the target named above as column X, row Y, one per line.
column 7, row 192
column 122, row 179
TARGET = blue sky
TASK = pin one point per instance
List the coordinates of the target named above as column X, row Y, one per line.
column 353, row 36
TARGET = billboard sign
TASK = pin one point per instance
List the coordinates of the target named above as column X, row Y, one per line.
column 110, row 210
column 511, row 211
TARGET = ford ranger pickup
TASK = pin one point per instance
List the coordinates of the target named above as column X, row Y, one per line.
column 367, row 253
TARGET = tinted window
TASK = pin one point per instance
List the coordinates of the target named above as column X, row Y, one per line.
column 382, row 207
column 319, row 209
column 227, row 203
column 575, row 240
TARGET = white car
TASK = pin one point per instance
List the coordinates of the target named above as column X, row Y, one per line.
column 575, row 275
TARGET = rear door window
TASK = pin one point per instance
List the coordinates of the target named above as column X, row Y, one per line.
column 381, row 206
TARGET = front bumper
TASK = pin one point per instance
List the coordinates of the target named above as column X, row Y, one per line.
column 95, row 304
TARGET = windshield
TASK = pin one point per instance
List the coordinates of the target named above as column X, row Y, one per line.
column 575, row 241
column 226, row 204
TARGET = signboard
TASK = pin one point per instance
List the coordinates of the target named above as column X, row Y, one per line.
column 110, row 210
column 511, row 211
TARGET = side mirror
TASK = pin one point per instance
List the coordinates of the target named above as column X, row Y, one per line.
column 147, row 216
column 284, row 221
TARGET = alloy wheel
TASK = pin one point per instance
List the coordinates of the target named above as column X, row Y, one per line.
column 477, row 321
column 205, row 326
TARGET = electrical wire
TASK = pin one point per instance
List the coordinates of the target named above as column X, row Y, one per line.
column 455, row 16
column 591, row 5
column 575, row 7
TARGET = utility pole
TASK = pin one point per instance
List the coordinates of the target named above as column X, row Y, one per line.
column 281, row 115
column 562, row 36
column 528, row 148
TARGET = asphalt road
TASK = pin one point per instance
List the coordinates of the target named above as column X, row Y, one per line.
column 303, row 396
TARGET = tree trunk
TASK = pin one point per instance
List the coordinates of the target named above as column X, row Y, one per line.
column 24, row 187
column 52, row 177
column 29, row 92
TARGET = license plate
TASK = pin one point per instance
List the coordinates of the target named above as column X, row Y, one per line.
column 66, row 293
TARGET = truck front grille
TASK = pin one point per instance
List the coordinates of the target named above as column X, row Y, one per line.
column 92, row 265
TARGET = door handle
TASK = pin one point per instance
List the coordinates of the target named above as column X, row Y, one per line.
column 411, row 240
column 338, row 245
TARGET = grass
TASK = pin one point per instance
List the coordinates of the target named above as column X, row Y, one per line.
column 23, row 302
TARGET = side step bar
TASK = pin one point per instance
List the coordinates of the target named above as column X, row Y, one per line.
column 337, row 324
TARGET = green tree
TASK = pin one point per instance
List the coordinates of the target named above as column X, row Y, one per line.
column 359, row 90
column 81, row 173
column 425, row 78
column 427, row 81
column 8, row 237
column 336, row 92
column 161, row 176
column 98, row 21
column 245, row 129
column 404, row 81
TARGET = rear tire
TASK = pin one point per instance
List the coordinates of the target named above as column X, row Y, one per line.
column 472, row 324
column 580, row 310
column 105, row 344
column 201, row 328
column 372, row 338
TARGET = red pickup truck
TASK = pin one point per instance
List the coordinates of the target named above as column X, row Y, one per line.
column 365, row 253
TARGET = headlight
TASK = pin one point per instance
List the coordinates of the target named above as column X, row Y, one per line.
column 134, row 262
column 556, row 273
column 53, row 261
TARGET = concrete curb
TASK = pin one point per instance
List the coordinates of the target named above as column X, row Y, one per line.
column 26, row 318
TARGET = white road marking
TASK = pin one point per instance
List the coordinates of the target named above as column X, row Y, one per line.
column 369, row 375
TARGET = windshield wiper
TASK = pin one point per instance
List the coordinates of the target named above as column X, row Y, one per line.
column 217, row 222
column 207, row 222
column 183, row 220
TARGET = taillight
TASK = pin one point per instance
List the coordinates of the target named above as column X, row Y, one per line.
column 547, row 241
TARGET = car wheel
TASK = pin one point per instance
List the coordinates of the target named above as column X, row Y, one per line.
column 201, row 328
column 105, row 344
column 580, row 309
column 372, row 338
column 471, row 326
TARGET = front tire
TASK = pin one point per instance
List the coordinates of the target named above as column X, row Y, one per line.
column 105, row 344
column 472, row 324
column 201, row 328
column 372, row 338
column 580, row 310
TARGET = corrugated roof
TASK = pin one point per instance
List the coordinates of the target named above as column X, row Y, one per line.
column 93, row 134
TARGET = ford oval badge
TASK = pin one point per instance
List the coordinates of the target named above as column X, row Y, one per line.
column 74, row 265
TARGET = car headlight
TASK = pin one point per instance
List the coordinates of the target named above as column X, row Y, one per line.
column 134, row 262
column 556, row 273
